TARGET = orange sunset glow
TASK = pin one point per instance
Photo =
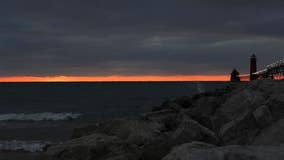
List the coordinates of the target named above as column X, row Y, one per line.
column 114, row 78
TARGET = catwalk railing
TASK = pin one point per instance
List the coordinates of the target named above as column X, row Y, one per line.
column 271, row 71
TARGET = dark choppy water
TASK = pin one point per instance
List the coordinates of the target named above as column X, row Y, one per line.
column 35, row 114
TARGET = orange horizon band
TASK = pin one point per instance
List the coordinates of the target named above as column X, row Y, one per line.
column 114, row 78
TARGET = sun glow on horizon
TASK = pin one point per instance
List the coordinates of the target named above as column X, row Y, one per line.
column 114, row 78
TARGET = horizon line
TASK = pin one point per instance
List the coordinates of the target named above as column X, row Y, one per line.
column 116, row 78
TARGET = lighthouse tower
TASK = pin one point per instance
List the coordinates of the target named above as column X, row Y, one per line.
column 253, row 67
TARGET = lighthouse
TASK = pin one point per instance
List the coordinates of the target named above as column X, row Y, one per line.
column 253, row 67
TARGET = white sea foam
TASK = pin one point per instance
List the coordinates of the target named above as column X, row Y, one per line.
column 26, row 146
column 45, row 116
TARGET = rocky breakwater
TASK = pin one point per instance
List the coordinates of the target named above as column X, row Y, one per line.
column 243, row 121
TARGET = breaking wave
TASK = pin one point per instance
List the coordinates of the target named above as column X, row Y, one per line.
column 24, row 146
column 45, row 116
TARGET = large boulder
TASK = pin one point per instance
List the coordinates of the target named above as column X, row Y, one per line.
column 206, row 105
column 190, row 130
column 135, row 131
column 241, row 130
column 203, row 109
column 151, row 138
column 84, row 130
column 276, row 105
column 240, row 102
column 272, row 135
column 183, row 151
column 187, row 131
column 263, row 116
column 208, row 152
column 185, row 101
column 167, row 118
column 148, row 125
column 167, row 105
column 95, row 146
column 268, row 87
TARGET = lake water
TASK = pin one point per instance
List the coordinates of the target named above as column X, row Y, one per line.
column 33, row 115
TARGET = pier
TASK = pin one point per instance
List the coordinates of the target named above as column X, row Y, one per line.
column 273, row 71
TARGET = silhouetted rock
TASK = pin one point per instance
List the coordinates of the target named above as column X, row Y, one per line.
column 263, row 116
column 84, row 131
column 168, row 105
column 187, row 130
column 241, row 130
column 272, row 135
column 95, row 146
column 276, row 105
column 168, row 118
column 203, row 109
column 184, row 101
column 205, row 105
column 200, row 151
column 240, row 102
column 183, row 151
column 152, row 137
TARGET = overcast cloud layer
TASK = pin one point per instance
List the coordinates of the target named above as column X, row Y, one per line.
column 137, row 37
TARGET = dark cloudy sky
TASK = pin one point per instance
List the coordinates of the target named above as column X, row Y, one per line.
column 137, row 37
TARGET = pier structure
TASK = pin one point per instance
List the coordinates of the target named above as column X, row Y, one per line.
column 274, row 71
